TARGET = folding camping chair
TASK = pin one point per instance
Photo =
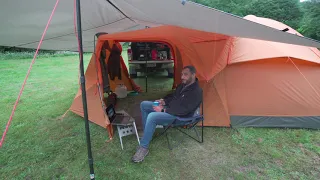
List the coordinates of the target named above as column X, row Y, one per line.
column 188, row 123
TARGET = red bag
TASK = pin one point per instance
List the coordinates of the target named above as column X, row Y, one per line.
column 154, row 54
column 111, row 99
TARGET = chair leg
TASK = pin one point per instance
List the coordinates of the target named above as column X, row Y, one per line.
column 202, row 132
column 173, row 146
column 169, row 146
column 197, row 133
column 200, row 138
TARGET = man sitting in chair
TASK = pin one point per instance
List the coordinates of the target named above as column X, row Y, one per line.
column 183, row 102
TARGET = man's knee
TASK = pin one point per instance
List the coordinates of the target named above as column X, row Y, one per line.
column 144, row 104
column 152, row 117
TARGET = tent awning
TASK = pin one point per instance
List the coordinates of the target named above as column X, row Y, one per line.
column 22, row 23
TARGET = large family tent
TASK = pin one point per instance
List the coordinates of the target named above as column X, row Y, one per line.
column 246, row 82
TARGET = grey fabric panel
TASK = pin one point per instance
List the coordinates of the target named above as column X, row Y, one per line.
column 312, row 122
column 22, row 26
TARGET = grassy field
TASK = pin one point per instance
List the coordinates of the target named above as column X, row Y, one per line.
column 41, row 145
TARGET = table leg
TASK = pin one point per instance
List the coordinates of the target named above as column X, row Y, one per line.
column 135, row 128
column 119, row 132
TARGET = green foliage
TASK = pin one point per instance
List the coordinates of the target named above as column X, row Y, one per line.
column 310, row 24
column 285, row 11
column 302, row 16
column 236, row 7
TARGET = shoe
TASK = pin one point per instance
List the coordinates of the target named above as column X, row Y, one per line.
column 159, row 126
column 140, row 154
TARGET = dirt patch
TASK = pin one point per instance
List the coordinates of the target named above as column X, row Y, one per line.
column 260, row 140
column 246, row 169
column 28, row 178
column 278, row 162
column 58, row 172
column 304, row 150
column 316, row 160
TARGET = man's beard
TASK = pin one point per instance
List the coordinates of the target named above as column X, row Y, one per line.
column 187, row 81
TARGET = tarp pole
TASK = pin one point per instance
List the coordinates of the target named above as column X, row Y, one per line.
column 94, row 44
column 83, row 88
column 146, row 58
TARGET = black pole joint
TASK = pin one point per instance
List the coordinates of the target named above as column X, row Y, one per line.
column 82, row 80
column 90, row 161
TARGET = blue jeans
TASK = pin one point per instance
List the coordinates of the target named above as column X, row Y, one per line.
column 150, row 119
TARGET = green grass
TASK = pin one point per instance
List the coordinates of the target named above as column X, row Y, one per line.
column 39, row 145
column 30, row 54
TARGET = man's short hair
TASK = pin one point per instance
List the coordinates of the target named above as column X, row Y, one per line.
column 192, row 69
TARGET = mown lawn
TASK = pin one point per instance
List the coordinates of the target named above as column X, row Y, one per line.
column 41, row 145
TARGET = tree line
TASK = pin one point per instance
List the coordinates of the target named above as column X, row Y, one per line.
column 302, row 16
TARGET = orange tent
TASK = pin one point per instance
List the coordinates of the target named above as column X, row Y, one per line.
column 246, row 82
column 269, row 84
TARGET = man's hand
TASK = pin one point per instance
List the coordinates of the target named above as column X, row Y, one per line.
column 161, row 101
column 157, row 108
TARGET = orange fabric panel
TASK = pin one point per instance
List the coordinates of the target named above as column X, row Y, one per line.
column 214, row 112
column 90, row 75
column 212, row 57
column 97, row 63
column 177, row 67
column 273, row 87
column 220, row 86
column 95, row 111
column 250, row 49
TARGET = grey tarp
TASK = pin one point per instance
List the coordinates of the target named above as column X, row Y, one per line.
column 22, row 22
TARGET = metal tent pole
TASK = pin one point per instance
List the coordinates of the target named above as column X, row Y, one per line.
column 146, row 58
column 83, row 88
